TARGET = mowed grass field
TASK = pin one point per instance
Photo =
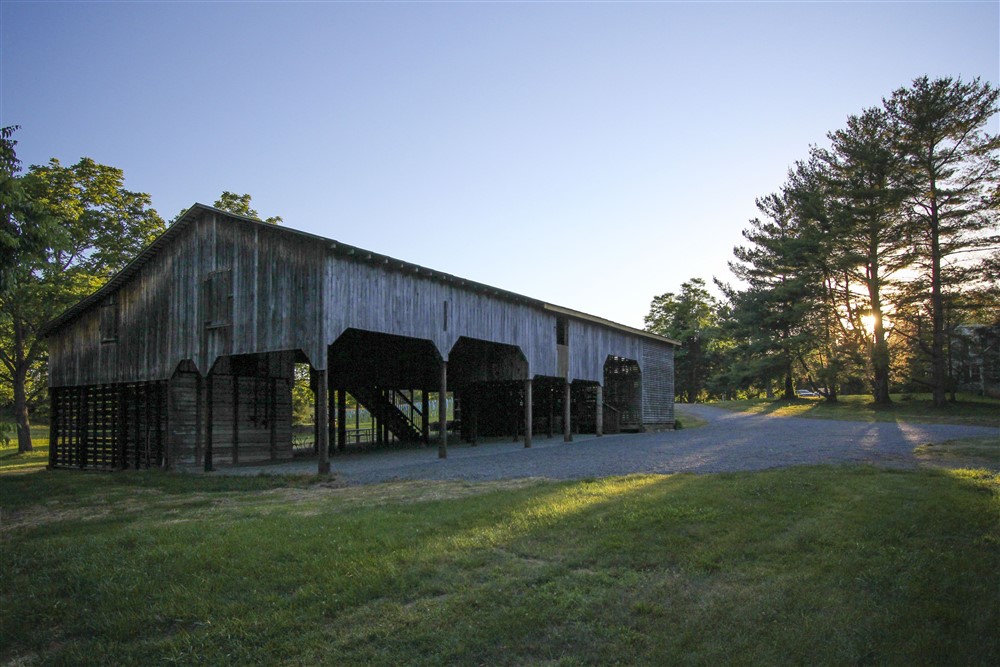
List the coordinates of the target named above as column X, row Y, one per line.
column 814, row 565
column 819, row 565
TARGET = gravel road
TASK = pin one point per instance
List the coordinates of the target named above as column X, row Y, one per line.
column 730, row 442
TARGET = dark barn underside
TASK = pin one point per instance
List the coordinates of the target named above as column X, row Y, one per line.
column 187, row 358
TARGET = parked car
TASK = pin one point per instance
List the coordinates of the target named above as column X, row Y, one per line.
column 805, row 393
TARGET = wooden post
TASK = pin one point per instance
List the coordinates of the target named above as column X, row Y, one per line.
column 425, row 407
column 527, row 413
column 199, row 418
column 272, row 418
column 236, row 418
column 209, row 420
column 477, row 401
column 169, row 446
column 567, row 414
column 322, row 423
column 443, row 413
column 341, row 419
column 552, row 408
column 599, row 417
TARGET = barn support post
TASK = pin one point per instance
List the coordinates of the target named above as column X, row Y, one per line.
column 169, row 444
column 341, row 419
column 199, row 418
column 599, row 417
column 236, row 417
column 209, row 421
column 527, row 413
column 322, row 423
column 551, row 394
column 567, row 412
column 425, row 407
column 272, row 417
column 443, row 413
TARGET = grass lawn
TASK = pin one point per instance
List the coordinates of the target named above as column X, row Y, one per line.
column 33, row 461
column 969, row 409
column 818, row 565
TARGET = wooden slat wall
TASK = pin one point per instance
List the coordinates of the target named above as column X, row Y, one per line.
column 657, row 383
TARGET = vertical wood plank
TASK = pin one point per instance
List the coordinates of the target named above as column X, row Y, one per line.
column 443, row 413
column 322, row 422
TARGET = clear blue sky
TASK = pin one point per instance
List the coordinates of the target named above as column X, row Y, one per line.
column 590, row 154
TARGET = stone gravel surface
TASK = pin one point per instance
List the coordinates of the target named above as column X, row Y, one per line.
column 730, row 442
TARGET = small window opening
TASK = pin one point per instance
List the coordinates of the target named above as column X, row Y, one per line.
column 109, row 320
column 562, row 331
column 217, row 291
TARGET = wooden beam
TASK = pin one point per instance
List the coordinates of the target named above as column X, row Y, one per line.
column 443, row 413
column 567, row 414
column 322, row 423
column 236, row 416
column 209, row 420
column 599, row 417
column 527, row 413
column 341, row 419
column 425, row 408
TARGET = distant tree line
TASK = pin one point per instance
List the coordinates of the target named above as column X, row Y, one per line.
column 864, row 270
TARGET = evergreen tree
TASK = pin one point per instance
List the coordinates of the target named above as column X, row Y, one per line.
column 952, row 171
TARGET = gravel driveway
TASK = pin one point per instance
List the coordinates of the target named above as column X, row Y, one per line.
column 731, row 441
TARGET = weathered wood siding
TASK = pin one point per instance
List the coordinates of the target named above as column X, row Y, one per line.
column 276, row 285
column 223, row 286
column 387, row 298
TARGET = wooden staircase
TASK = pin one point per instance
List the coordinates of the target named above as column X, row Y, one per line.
column 395, row 409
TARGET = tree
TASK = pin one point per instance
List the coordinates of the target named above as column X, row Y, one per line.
column 952, row 170
column 869, row 231
column 691, row 318
column 240, row 205
column 91, row 226
column 779, row 267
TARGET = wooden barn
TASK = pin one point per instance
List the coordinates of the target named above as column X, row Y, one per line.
column 187, row 356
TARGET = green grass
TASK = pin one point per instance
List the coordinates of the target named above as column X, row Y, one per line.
column 966, row 452
column 969, row 409
column 818, row 565
column 11, row 461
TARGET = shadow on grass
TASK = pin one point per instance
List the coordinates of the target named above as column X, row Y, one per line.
column 822, row 564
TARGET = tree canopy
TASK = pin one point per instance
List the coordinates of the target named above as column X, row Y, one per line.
column 69, row 228
column 872, row 259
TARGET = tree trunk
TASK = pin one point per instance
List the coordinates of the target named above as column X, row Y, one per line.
column 21, row 390
column 937, row 308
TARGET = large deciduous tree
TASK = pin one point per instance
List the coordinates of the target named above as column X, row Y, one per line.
column 74, row 227
column 240, row 205
column 691, row 318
